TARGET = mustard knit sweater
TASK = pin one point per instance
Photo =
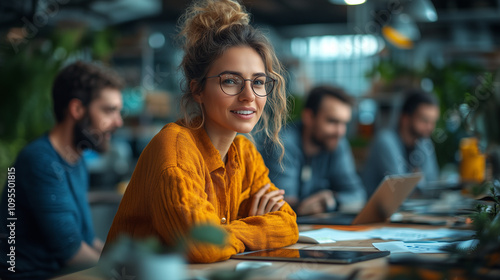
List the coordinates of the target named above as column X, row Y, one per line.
column 180, row 180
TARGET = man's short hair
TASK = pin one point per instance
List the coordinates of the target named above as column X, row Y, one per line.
column 317, row 94
column 415, row 98
column 83, row 81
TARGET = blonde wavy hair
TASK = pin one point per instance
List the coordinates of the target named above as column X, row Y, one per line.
column 209, row 28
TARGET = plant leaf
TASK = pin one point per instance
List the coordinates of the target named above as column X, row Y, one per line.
column 208, row 234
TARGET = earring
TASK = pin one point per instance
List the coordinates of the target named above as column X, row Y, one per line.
column 202, row 116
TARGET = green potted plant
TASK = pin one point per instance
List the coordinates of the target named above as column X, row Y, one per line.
column 148, row 259
column 26, row 76
column 483, row 116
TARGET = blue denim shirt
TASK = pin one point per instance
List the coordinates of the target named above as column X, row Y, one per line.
column 52, row 211
column 389, row 156
column 301, row 176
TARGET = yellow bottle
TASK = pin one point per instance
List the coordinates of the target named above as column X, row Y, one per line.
column 473, row 163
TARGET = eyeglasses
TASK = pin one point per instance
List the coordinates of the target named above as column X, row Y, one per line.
column 233, row 84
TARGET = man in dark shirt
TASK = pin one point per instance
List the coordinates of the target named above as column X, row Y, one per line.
column 407, row 148
column 318, row 172
column 50, row 229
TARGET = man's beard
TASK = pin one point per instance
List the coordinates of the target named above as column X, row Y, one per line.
column 323, row 143
column 415, row 134
column 85, row 136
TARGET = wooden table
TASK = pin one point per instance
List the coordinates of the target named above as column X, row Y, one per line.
column 372, row 269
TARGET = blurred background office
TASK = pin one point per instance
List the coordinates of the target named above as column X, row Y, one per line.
column 374, row 50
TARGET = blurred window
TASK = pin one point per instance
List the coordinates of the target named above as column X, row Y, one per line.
column 342, row 60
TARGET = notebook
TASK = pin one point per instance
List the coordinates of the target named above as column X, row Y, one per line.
column 386, row 200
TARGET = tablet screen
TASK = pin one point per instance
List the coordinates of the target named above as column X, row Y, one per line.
column 319, row 256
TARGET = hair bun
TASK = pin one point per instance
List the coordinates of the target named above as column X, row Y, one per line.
column 206, row 16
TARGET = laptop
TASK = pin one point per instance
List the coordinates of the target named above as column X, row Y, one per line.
column 386, row 200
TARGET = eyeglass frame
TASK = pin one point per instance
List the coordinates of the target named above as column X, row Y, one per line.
column 243, row 84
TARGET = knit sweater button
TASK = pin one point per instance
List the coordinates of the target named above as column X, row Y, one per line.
column 223, row 220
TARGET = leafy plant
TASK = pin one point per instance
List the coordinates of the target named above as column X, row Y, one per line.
column 26, row 77
column 127, row 254
column 390, row 70
column 473, row 261
column 484, row 253
column 486, row 220
column 483, row 106
column 451, row 83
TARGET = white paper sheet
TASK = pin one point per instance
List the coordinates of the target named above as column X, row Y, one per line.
column 327, row 235
column 411, row 234
column 412, row 247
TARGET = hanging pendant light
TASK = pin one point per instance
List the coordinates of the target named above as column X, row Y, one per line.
column 402, row 30
column 347, row 2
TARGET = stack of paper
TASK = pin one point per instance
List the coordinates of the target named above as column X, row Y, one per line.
column 327, row 235
column 410, row 234
column 423, row 246
column 412, row 247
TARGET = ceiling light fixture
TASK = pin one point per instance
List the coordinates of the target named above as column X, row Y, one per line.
column 422, row 10
column 347, row 2
column 401, row 32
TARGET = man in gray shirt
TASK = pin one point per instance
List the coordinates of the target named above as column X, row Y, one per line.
column 318, row 172
column 407, row 148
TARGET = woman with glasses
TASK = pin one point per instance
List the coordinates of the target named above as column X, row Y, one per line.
column 197, row 170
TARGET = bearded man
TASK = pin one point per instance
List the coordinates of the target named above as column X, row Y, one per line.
column 318, row 172
column 408, row 148
column 52, row 221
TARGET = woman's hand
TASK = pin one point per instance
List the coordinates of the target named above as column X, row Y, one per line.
column 264, row 203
